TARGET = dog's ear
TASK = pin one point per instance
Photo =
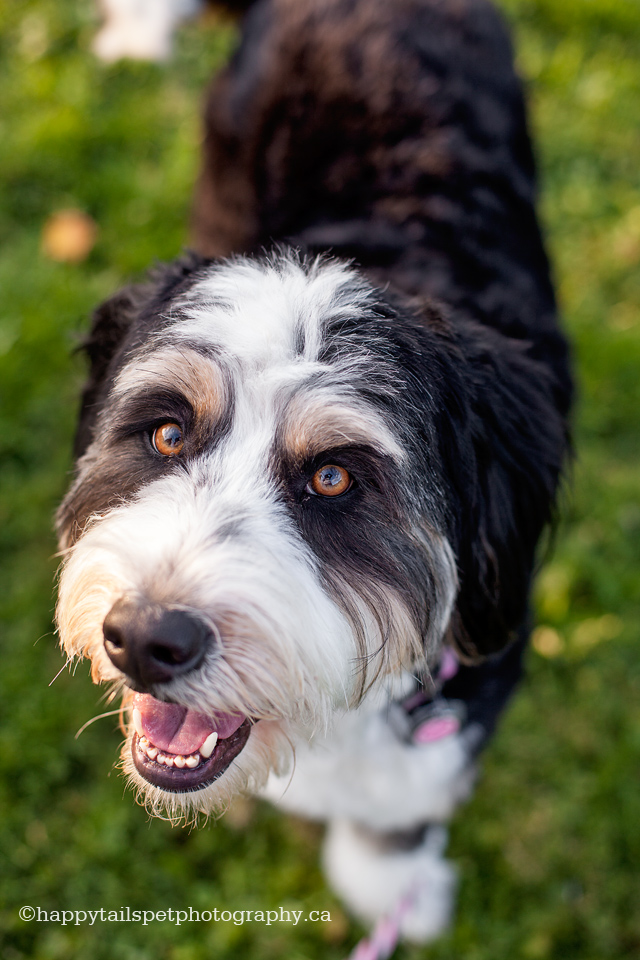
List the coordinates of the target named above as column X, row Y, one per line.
column 503, row 448
column 112, row 322
column 109, row 327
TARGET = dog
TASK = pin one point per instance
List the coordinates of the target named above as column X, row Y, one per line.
column 315, row 457
column 141, row 29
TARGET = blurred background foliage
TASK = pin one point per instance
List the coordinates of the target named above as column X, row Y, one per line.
column 549, row 848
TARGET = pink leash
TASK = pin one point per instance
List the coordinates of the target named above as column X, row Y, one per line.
column 386, row 934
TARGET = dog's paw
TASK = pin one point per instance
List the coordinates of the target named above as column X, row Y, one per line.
column 375, row 878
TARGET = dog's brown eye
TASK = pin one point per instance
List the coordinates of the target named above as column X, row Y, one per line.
column 168, row 439
column 330, row 481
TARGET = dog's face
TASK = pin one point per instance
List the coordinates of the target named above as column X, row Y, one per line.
column 257, row 529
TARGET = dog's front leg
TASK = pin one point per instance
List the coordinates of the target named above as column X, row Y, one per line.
column 404, row 872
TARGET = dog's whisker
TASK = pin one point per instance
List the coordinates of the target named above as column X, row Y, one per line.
column 43, row 636
column 61, row 554
column 64, row 667
column 101, row 716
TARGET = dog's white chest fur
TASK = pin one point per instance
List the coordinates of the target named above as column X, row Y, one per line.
column 361, row 770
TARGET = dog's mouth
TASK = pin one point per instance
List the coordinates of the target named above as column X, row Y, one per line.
column 180, row 750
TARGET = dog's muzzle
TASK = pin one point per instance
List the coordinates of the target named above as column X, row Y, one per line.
column 173, row 748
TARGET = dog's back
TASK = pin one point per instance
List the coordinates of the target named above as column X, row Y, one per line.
column 391, row 133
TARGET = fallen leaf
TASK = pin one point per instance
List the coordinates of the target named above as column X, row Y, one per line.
column 68, row 236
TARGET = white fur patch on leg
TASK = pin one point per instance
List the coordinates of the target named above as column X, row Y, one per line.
column 372, row 881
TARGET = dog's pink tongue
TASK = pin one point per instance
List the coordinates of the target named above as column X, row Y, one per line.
column 176, row 729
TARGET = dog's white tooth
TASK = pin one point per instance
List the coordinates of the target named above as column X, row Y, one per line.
column 169, row 761
column 161, row 758
column 137, row 721
column 179, row 761
column 143, row 741
column 152, row 752
column 192, row 761
column 209, row 745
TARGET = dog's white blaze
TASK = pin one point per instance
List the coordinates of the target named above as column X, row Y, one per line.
column 261, row 312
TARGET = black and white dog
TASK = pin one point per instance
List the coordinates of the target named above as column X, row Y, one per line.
column 311, row 481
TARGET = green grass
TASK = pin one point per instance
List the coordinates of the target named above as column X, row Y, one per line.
column 549, row 848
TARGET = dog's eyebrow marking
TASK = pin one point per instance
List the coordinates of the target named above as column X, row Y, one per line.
column 271, row 313
column 313, row 424
column 186, row 370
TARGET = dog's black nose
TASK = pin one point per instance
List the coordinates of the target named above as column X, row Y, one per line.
column 153, row 645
